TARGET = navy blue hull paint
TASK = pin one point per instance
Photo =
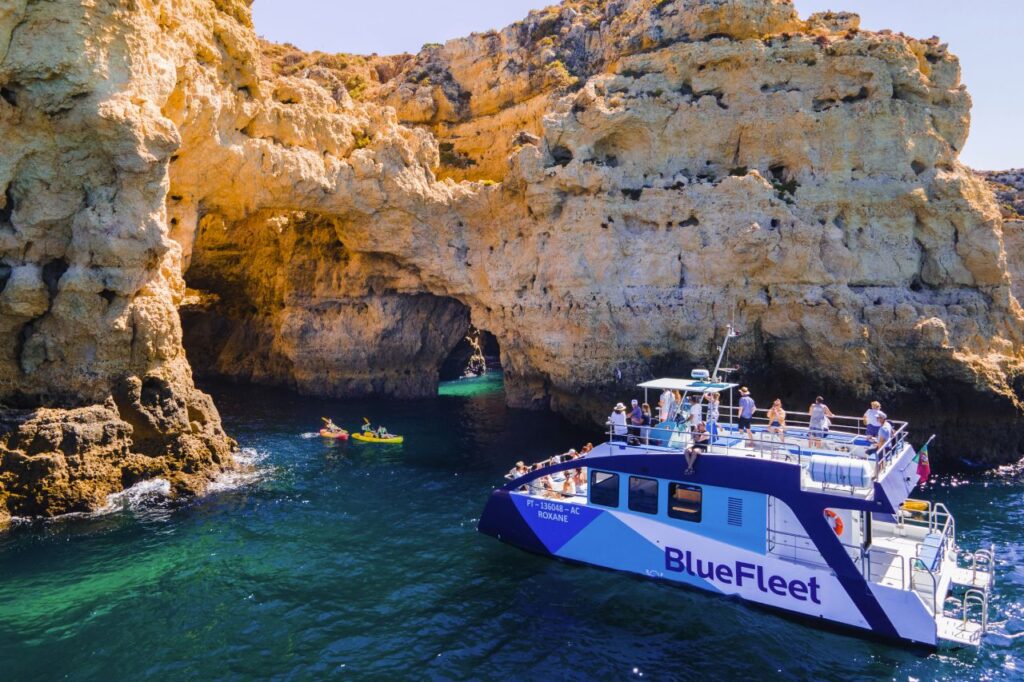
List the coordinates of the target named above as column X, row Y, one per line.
column 778, row 479
column 502, row 520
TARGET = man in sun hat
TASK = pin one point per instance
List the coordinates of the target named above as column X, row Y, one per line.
column 746, row 420
column 617, row 420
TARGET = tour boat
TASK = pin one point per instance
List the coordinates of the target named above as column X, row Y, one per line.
column 828, row 532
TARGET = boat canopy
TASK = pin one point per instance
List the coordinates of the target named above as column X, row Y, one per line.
column 687, row 385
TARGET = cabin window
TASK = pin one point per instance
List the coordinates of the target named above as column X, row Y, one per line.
column 643, row 495
column 684, row 502
column 604, row 488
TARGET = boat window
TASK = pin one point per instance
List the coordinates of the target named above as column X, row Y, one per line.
column 684, row 502
column 604, row 488
column 643, row 495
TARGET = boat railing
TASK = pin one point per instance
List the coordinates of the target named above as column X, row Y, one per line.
column 780, row 539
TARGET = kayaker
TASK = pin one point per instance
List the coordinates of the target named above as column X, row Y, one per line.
column 382, row 432
column 329, row 425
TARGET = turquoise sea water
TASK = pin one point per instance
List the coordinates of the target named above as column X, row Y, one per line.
column 345, row 560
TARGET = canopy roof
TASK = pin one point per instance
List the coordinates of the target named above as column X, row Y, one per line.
column 688, row 385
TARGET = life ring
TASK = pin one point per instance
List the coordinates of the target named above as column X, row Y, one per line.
column 834, row 521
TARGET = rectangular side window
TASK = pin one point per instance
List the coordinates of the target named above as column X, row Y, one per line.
column 643, row 495
column 604, row 488
column 684, row 502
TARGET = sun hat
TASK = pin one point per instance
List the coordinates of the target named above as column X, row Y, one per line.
column 620, row 408
column 744, row 391
column 520, row 463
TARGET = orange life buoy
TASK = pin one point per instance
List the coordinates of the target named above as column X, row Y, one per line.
column 837, row 523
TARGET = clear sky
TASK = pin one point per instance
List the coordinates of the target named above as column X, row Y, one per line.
column 985, row 34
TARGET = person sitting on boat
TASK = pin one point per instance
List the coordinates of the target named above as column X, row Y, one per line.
column 777, row 420
column 382, row 432
column 617, row 420
column 746, row 419
column 329, row 425
column 872, row 418
column 580, row 479
column 586, row 449
column 701, row 438
column 818, row 427
column 569, row 485
column 883, row 437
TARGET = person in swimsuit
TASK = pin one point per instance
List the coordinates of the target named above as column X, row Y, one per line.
column 820, row 414
column 777, row 420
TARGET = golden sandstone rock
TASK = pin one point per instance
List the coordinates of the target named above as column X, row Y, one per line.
column 604, row 186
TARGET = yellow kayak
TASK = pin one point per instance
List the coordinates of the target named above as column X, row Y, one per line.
column 369, row 438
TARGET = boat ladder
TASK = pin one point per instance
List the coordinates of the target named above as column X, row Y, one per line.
column 965, row 620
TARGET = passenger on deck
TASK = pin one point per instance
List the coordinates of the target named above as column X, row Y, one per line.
column 569, row 485
column 714, row 403
column 883, row 437
column 581, row 481
column 636, row 419
column 746, row 419
column 665, row 405
column 519, row 470
column 617, row 420
column 871, row 418
column 645, row 425
column 677, row 407
column 818, row 428
column 572, row 454
column 696, row 412
column 586, row 449
column 701, row 437
column 777, row 420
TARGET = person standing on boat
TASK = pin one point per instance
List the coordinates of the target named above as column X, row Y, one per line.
column 645, row 425
column 696, row 413
column 818, row 428
column 617, row 420
column 883, row 437
column 777, row 420
column 746, row 420
column 677, row 407
column 714, row 403
column 873, row 418
column 665, row 405
column 636, row 419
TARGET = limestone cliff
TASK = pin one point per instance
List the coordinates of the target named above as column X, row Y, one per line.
column 650, row 170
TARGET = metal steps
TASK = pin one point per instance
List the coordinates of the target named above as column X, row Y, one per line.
column 959, row 632
column 968, row 622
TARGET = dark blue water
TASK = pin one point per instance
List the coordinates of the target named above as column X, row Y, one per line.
column 340, row 560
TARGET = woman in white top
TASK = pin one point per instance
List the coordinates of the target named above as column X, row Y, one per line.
column 696, row 412
column 871, row 418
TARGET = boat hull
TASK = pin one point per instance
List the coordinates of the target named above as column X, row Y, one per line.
column 624, row 541
column 333, row 435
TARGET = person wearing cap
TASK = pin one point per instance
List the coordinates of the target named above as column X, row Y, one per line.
column 747, row 408
column 872, row 418
column 617, row 420
column 636, row 419
column 883, row 437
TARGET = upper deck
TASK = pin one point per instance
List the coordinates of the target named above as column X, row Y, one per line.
column 844, row 461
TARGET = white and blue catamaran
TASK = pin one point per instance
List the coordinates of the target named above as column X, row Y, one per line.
column 827, row 532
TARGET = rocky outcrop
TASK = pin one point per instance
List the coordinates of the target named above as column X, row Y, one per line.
column 635, row 175
column 92, row 372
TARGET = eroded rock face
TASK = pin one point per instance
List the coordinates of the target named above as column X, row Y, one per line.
column 656, row 169
column 89, row 280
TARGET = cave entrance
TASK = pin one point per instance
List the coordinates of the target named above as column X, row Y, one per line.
column 475, row 359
